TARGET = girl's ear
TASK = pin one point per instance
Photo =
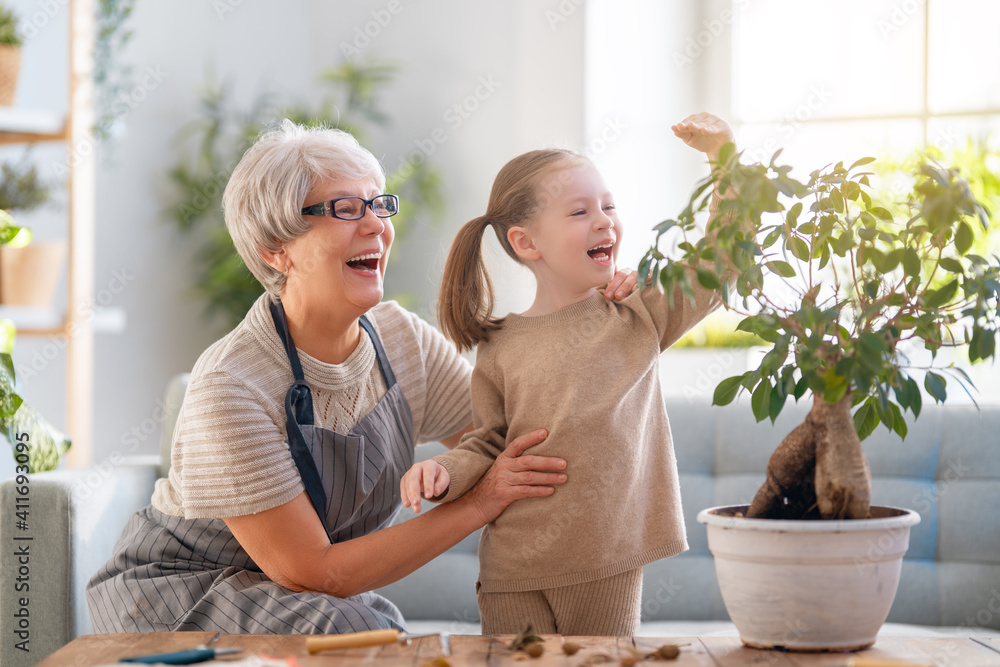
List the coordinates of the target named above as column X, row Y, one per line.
column 520, row 241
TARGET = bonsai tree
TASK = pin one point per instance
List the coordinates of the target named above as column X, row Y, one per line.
column 841, row 289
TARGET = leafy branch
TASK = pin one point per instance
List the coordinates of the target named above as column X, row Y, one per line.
column 835, row 282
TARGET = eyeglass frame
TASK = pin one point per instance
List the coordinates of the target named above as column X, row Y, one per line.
column 329, row 208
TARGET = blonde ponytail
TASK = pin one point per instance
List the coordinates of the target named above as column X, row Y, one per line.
column 465, row 306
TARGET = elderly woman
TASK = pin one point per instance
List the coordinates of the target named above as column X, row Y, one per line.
column 298, row 425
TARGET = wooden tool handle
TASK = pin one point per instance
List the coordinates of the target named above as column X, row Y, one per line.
column 886, row 662
column 351, row 640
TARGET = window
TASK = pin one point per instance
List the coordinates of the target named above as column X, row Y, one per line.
column 845, row 78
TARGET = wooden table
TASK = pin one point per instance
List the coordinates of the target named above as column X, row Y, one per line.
column 90, row 650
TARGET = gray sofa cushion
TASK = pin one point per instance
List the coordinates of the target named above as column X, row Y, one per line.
column 75, row 518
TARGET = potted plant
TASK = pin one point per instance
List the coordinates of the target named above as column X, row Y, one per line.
column 840, row 289
column 36, row 443
column 10, row 56
column 29, row 272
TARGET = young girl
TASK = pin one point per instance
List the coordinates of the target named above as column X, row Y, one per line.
column 586, row 369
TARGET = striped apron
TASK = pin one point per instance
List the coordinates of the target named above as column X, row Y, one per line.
column 170, row 573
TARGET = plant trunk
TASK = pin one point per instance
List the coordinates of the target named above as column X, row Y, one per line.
column 819, row 470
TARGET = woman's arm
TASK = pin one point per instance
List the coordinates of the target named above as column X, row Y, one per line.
column 290, row 545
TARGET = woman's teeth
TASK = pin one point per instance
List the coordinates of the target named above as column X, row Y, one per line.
column 369, row 261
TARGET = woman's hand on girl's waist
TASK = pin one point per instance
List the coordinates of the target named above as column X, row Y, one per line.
column 514, row 476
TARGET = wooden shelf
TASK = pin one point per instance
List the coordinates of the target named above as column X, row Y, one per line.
column 78, row 321
column 18, row 126
column 33, row 321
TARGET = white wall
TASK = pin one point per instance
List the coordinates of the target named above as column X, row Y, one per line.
column 524, row 58
column 637, row 87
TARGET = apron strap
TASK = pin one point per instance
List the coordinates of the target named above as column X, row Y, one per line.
column 383, row 360
column 299, row 407
column 299, row 412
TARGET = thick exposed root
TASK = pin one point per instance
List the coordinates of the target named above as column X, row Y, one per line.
column 788, row 492
column 843, row 479
column 818, row 471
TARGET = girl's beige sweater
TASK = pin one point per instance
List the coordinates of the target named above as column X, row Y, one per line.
column 589, row 374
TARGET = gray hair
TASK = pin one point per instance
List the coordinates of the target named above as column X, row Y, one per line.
column 263, row 200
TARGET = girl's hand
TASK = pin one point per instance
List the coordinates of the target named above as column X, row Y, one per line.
column 704, row 132
column 513, row 476
column 430, row 477
column 622, row 284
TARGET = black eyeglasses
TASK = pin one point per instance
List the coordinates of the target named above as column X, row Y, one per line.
column 353, row 208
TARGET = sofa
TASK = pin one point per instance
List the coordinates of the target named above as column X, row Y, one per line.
column 948, row 469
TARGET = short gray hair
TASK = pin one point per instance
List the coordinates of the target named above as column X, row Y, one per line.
column 263, row 200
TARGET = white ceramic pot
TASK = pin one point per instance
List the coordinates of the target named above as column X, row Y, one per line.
column 808, row 585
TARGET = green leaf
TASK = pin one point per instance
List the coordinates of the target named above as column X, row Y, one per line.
column 793, row 214
column 892, row 259
column 952, row 265
column 8, row 232
column 7, row 380
column 800, row 388
column 842, row 244
column 987, row 344
column 836, row 387
column 866, row 419
column 10, row 401
column 726, row 152
column 799, row 248
column 899, row 422
column 782, row 268
column 871, row 255
column 916, row 401
column 760, row 401
column 727, row 390
column 862, row 162
column 748, row 324
column 881, row 213
column 708, row 279
column 963, row 238
column 645, row 266
column 837, row 200
column 941, row 296
column 884, row 412
column 935, row 386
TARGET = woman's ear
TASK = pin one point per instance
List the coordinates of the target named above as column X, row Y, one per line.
column 520, row 240
column 277, row 260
